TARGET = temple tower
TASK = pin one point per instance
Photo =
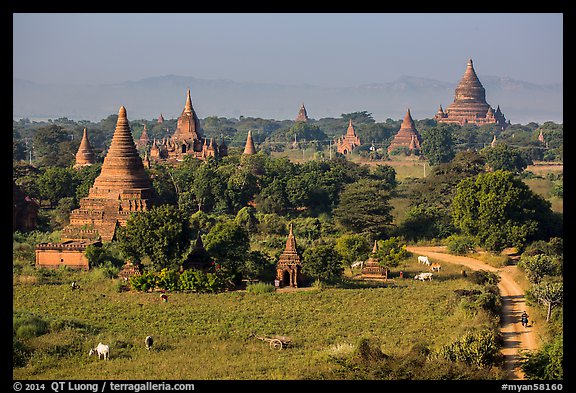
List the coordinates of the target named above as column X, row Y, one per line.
column 407, row 136
column 144, row 139
column 288, row 268
column 302, row 115
column 470, row 106
column 122, row 188
column 249, row 148
column 85, row 155
column 188, row 126
column 372, row 268
column 349, row 141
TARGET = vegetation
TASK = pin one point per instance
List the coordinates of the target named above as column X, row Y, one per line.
column 470, row 196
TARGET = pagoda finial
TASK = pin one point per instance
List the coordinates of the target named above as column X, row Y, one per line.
column 122, row 112
column 375, row 249
column 188, row 107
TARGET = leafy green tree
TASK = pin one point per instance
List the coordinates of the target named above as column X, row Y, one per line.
column 57, row 183
column 539, row 265
column 322, row 262
column 352, row 248
column 162, row 234
column 500, row 211
column 358, row 117
column 228, row 244
column 504, row 157
column 546, row 363
column 550, row 293
column 364, row 207
column 246, row 218
column 258, row 265
column 438, row 144
column 51, row 146
column 273, row 198
column 392, row 251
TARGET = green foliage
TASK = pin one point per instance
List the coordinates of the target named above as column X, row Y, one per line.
column 228, row 244
column 162, row 234
column 500, row 211
column 143, row 282
column 438, row 144
column 484, row 277
column 504, row 157
column 352, row 247
column 392, row 251
column 480, row 349
column 364, row 207
column 546, row 363
column 246, row 218
column 549, row 292
column 322, row 262
column 260, row 287
column 167, row 279
column 26, row 325
column 539, row 265
column 460, row 245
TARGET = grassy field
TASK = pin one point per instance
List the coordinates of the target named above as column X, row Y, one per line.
column 207, row 336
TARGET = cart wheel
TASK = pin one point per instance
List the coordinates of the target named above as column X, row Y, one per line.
column 276, row 344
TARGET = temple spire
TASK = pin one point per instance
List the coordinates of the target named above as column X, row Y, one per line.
column 249, row 149
column 85, row 154
column 188, row 106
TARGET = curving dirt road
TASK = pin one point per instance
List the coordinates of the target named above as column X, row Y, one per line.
column 514, row 335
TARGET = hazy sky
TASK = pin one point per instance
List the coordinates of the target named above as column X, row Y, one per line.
column 339, row 49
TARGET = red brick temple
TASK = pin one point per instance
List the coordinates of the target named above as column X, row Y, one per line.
column 249, row 148
column 85, row 155
column 348, row 142
column 186, row 140
column 302, row 115
column 288, row 268
column 407, row 136
column 470, row 106
column 372, row 268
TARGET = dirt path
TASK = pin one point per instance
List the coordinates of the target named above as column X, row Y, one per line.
column 515, row 336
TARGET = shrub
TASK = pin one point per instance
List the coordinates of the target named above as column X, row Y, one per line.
column 29, row 326
column 547, row 363
column 143, row 282
column 260, row 287
column 460, row 245
column 168, row 279
column 483, row 277
column 480, row 349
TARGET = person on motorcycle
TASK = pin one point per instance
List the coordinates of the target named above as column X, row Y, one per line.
column 524, row 319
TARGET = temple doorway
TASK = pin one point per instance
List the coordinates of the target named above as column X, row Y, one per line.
column 286, row 278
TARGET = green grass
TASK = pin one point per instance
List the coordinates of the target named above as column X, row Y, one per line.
column 207, row 336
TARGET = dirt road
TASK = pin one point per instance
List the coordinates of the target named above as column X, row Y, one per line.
column 514, row 335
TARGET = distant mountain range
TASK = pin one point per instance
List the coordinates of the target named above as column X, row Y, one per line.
column 521, row 102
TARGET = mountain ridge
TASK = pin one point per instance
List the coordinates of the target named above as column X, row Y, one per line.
column 520, row 101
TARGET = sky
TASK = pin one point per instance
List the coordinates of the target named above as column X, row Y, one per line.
column 332, row 49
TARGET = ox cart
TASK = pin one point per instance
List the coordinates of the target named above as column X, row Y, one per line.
column 275, row 342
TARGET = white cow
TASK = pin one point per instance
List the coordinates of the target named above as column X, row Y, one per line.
column 358, row 263
column 423, row 276
column 101, row 350
column 424, row 260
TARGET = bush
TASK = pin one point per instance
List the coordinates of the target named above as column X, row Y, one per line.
column 547, row 363
column 480, row 349
column 460, row 245
column 28, row 326
column 143, row 282
column 483, row 277
column 260, row 287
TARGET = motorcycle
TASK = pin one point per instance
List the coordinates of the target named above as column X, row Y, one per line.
column 524, row 321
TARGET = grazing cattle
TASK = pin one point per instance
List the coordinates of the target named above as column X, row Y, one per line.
column 435, row 267
column 148, row 341
column 424, row 260
column 358, row 263
column 101, row 350
column 423, row 276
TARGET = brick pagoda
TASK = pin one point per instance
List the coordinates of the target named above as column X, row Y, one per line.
column 372, row 268
column 302, row 115
column 470, row 106
column 407, row 136
column 85, row 155
column 348, row 142
column 288, row 268
column 249, row 148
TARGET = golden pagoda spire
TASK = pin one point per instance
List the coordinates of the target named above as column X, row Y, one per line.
column 249, row 149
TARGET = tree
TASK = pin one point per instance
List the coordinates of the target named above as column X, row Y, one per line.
column 57, row 183
column 322, row 262
column 228, row 244
column 438, row 144
column 539, row 265
column 506, row 158
column 162, row 234
column 391, row 251
column 501, row 211
column 352, row 248
column 364, row 207
column 549, row 293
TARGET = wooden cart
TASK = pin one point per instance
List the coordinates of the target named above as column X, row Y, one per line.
column 276, row 342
